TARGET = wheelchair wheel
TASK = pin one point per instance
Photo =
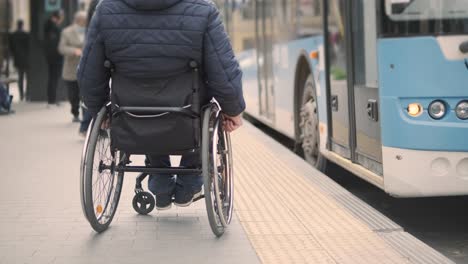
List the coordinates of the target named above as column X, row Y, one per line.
column 100, row 184
column 217, row 172
column 143, row 203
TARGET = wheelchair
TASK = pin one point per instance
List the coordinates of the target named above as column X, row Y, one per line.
column 107, row 156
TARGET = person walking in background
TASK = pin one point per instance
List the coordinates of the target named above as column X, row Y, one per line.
column 19, row 45
column 52, row 32
column 71, row 47
column 5, row 100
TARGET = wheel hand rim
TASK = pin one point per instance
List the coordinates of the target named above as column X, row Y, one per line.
column 219, row 161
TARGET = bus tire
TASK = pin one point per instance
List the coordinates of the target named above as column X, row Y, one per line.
column 309, row 137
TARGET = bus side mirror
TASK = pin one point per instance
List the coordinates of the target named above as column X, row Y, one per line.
column 464, row 47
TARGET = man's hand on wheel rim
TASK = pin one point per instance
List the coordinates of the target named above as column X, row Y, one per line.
column 232, row 123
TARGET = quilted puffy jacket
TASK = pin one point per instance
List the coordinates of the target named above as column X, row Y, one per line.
column 147, row 39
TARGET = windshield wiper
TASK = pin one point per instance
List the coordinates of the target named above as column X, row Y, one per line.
column 399, row 8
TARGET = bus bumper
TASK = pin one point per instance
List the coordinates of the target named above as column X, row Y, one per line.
column 417, row 173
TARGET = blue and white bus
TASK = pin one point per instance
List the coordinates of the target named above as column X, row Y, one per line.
column 379, row 87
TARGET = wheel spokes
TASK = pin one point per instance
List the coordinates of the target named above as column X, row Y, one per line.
column 103, row 178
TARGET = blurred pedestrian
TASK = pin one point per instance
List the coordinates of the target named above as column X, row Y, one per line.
column 71, row 47
column 19, row 46
column 52, row 32
column 5, row 100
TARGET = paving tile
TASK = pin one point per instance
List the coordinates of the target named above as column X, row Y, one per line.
column 29, row 260
column 290, row 220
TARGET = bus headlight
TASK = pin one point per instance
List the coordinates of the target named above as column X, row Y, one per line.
column 437, row 109
column 414, row 109
column 462, row 110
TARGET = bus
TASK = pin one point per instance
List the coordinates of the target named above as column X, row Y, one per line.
column 379, row 87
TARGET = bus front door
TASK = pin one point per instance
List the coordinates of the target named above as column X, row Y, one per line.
column 365, row 89
column 353, row 81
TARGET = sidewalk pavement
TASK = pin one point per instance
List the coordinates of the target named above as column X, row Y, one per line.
column 286, row 211
column 41, row 219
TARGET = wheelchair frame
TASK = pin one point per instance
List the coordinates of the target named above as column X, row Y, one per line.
column 216, row 168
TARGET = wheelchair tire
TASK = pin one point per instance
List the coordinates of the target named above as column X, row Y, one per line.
column 217, row 172
column 100, row 187
column 143, row 203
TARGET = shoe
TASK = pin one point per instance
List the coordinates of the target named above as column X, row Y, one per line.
column 163, row 202
column 76, row 119
column 184, row 199
column 82, row 134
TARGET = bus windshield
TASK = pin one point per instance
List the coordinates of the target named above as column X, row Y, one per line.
column 424, row 17
column 426, row 9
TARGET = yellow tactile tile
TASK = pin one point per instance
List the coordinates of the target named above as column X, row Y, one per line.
column 289, row 220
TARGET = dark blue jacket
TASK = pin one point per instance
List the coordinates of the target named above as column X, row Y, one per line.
column 147, row 39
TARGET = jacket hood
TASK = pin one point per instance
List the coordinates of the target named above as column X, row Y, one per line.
column 151, row 4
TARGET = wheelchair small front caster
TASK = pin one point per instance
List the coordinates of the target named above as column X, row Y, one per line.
column 143, row 203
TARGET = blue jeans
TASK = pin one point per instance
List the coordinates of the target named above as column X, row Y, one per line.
column 166, row 184
column 86, row 120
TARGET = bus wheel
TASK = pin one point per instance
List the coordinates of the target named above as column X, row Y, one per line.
column 309, row 127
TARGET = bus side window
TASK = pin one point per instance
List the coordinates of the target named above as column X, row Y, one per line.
column 337, row 40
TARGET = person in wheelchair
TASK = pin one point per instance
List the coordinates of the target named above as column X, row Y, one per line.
column 146, row 47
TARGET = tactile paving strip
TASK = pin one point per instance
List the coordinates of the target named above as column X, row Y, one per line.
column 292, row 219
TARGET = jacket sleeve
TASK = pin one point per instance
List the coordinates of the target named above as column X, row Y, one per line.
column 222, row 72
column 64, row 47
column 93, row 77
